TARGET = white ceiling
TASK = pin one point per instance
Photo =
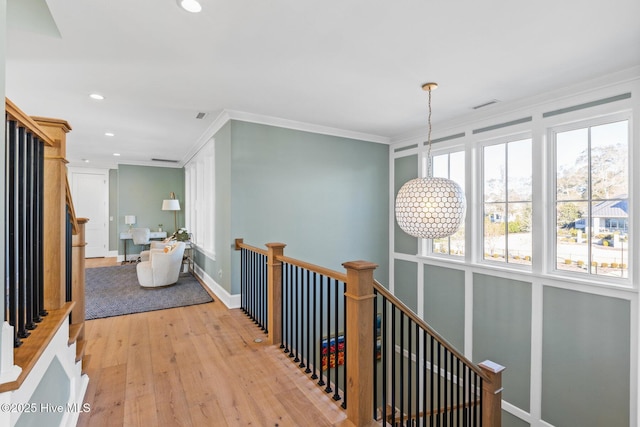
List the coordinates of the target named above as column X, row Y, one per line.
column 354, row 65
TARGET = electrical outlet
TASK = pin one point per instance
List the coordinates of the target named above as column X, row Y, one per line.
column 220, row 274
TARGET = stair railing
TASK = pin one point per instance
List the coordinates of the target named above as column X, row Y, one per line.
column 363, row 345
column 41, row 231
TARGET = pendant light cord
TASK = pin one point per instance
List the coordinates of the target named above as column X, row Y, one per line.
column 429, row 171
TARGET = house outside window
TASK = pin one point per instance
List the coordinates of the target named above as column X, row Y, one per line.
column 591, row 198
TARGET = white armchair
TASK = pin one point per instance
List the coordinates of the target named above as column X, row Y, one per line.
column 154, row 244
column 163, row 266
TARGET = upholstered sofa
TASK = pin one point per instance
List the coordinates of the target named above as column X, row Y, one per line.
column 162, row 267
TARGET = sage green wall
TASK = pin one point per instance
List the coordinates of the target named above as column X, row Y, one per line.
column 444, row 302
column 113, row 210
column 405, row 279
column 405, row 169
column 325, row 197
column 54, row 389
column 141, row 190
column 585, row 353
column 502, row 332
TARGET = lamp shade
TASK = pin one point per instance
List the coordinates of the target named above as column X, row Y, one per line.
column 171, row 205
column 430, row 208
column 129, row 219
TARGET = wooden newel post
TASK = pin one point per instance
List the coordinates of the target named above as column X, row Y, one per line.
column 274, row 292
column 492, row 394
column 78, row 274
column 359, row 341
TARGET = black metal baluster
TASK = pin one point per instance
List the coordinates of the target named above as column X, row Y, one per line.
column 285, row 299
column 393, row 364
column 30, row 229
column 438, row 356
column 11, row 259
column 287, row 318
column 446, row 386
column 384, row 356
column 41, row 309
column 295, row 342
column 336, row 310
column 418, row 364
column 37, row 214
column 402, row 371
column 328, row 353
column 300, row 304
column 409, row 343
column 265, row 276
column 243, row 290
column 307, row 355
column 433, row 377
column 424, row 378
column 344, row 370
column 22, row 225
column 320, row 323
column 314, row 343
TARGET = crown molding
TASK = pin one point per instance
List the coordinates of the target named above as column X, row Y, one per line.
column 227, row 115
column 516, row 108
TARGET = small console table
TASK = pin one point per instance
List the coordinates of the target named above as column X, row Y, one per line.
column 125, row 235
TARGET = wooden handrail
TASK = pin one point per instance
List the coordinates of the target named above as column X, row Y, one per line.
column 239, row 244
column 70, row 208
column 21, row 117
column 424, row 325
column 314, row 268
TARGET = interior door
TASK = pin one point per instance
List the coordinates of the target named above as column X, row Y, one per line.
column 90, row 193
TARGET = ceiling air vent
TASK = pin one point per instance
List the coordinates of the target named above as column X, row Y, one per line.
column 165, row 160
column 486, row 104
column 201, row 115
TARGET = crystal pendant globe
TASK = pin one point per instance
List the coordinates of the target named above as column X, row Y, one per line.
column 430, row 208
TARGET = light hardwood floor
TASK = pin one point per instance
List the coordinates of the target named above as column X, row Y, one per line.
column 195, row 366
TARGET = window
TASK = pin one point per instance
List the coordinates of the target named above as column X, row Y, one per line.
column 591, row 199
column 451, row 166
column 199, row 200
column 507, row 207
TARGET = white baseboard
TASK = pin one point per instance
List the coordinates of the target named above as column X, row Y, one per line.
column 231, row 301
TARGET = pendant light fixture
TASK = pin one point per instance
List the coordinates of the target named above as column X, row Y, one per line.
column 430, row 208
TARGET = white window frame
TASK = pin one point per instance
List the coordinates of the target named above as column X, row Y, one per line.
column 551, row 200
column 426, row 245
column 200, row 198
column 480, row 187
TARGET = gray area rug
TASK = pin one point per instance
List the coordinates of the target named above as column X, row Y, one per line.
column 114, row 291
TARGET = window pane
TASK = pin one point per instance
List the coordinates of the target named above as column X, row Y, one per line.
column 572, row 241
column 609, row 244
column 451, row 166
column 440, row 165
column 519, row 233
column 572, row 160
column 609, row 160
column 519, row 170
column 494, row 173
column 457, row 168
column 494, row 231
column 593, row 236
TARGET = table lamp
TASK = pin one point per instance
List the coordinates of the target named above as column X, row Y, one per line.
column 130, row 220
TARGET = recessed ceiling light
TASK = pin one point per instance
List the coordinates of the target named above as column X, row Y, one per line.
column 190, row 5
column 96, row 96
column 116, row 154
column 109, row 134
column 85, row 160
